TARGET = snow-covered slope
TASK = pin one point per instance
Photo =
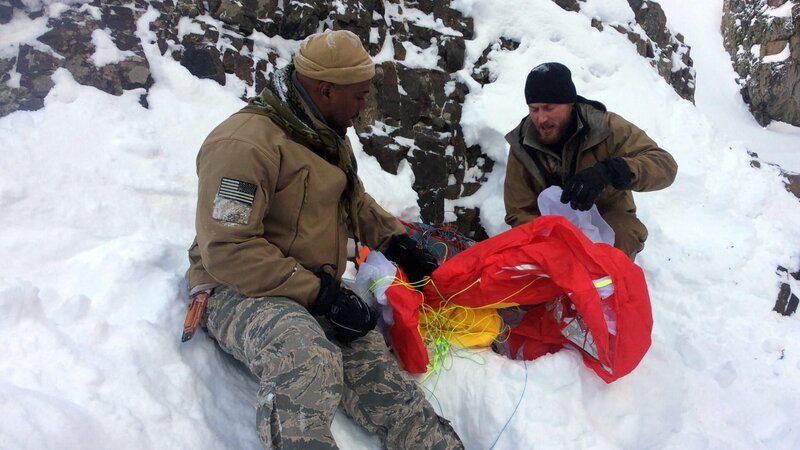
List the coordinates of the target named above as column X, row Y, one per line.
column 98, row 195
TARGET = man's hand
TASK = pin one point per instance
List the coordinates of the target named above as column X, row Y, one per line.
column 585, row 186
column 350, row 317
column 415, row 262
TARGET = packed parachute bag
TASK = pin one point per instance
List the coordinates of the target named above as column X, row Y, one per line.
column 531, row 290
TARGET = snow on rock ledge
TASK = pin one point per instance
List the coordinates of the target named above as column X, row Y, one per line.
column 763, row 41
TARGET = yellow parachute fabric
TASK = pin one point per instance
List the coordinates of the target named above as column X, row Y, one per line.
column 460, row 326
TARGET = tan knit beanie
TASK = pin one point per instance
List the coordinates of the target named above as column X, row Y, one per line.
column 334, row 56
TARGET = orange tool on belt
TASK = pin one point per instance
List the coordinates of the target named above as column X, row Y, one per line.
column 197, row 304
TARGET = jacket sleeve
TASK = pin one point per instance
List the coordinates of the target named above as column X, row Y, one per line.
column 230, row 236
column 652, row 167
column 519, row 193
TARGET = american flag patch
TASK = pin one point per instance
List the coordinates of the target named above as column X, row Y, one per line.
column 238, row 191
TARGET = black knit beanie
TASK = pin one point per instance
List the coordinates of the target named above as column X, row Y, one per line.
column 550, row 83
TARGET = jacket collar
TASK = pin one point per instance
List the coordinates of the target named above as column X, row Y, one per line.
column 592, row 128
column 309, row 104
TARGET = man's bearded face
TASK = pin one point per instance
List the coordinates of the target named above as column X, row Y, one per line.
column 551, row 120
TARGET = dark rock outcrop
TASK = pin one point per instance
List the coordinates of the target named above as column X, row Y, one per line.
column 6, row 11
column 70, row 44
column 35, row 68
column 667, row 52
column 788, row 300
column 763, row 39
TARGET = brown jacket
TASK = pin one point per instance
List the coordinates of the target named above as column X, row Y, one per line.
column 600, row 135
column 272, row 243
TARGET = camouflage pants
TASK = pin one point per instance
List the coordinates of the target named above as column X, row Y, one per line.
column 304, row 376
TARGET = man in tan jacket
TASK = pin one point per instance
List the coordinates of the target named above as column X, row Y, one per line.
column 596, row 156
column 278, row 198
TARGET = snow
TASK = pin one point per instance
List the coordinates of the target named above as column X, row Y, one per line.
column 106, row 51
column 406, row 142
column 397, row 13
column 98, row 195
column 781, row 56
column 420, row 58
column 720, row 101
column 188, row 26
column 93, row 11
column 783, row 11
column 387, row 50
column 612, row 12
column 22, row 30
column 374, row 35
column 380, row 129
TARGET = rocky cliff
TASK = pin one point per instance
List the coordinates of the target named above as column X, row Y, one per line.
column 418, row 45
column 763, row 39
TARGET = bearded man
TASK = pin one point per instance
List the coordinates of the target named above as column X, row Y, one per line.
column 596, row 156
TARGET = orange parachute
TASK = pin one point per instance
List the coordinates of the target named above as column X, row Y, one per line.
column 530, row 290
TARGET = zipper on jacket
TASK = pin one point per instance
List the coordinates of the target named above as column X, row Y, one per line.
column 300, row 209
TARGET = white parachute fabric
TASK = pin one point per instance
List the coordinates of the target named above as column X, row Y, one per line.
column 374, row 276
column 590, row 222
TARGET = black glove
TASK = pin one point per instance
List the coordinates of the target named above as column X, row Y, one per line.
column 350, row 317
column 416, row 263
column 585, row 186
